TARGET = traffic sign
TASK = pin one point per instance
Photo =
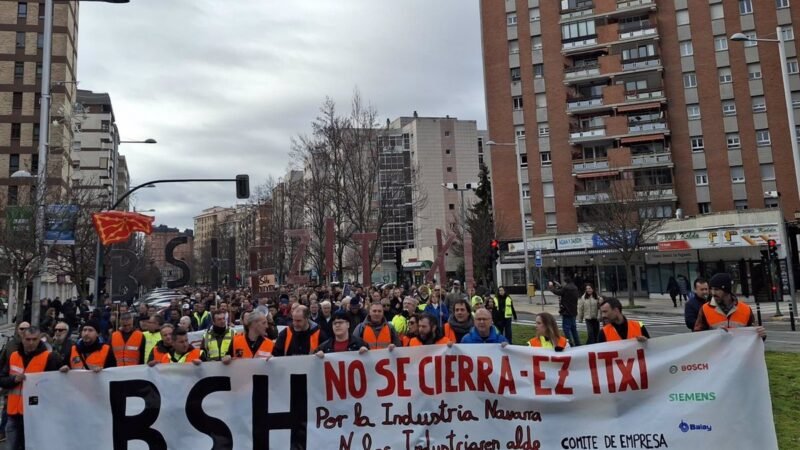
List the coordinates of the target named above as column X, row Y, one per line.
column 538, row 258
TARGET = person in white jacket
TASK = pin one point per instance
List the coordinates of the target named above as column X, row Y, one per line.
column 589, row 311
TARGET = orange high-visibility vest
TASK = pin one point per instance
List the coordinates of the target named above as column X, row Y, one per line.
column 191, row 355
column 449, row 333
column 405, row 340
column 542, row 342
column 241, row 349
column 737, row 319
column 382, row 340
column 37, row 364
column 126, row 352
column 415, row 342
column 314, row 341
column 634, row 331
column 94, row 360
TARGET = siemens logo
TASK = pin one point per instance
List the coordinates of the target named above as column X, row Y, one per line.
column 686, row 397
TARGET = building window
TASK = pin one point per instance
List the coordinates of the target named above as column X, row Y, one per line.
column 35, row 132
column 105, row 125
column 791, row 66
column 788, row 33
column 20, row 39
column 447, row 151
column 797, row 133
column 721, row 43
column 697, row 144
column 22, row 9
column 740, row 205
column 578, row 30
column 704, row 208
column 682, row 17
column 550, row 220
column 716, row 11
column 762, row 138
column 517, row 101
column 513, row 47
column 39, row 71
column 686, row 48
column 451, row 206
column 733, row 140
column 693, row 111
column 754, row 71
column 545, row 157
column 449, row 169
column 16, row 102
column 725, row 75
column 760, row 105
column 767, row 172
column 752, row 42
column 16, row 131
column 701, row 178
column 770, row 202
column 538, row 70
column 516, row 74
column 519, row 132
column 19, row 70
column 13, row 195
column 781, row 4
column 40, row 40
column 523, row 160
column 536, row 16
column 544, row 130
column 728, row 108
column 536, row 43
column 541, row 100
column 511, row 19
column 526, row 190
column 13, row 164
column 745, row 6
column 689, row 80
column 737, row 174
column 548, row 189
column 35, row 164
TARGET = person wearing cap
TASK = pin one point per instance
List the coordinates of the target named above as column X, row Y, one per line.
column 89, row 353
column 618, row 327
column 724, row 310
column 474, row 299
column 355, row 313
column 342, row 340
column 376, row 331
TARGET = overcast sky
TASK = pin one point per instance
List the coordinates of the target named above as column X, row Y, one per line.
column 223, row 85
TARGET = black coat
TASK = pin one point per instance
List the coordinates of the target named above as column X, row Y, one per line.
column 353, row 345
column 569, row 294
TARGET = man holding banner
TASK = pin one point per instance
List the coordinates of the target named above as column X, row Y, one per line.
column 376, row 331
column 218, row 340
column 342, row 340
column 182, row 351
column 32, row 357
column 89, row 353
column 127, row 343
column 430, row 333
column 253, row 343
column 618, row 327
column 484, row 332
column 299, row 338
column 724, row 310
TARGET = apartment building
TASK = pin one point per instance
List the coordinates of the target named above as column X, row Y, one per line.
column 21, row 44
column 650, row 93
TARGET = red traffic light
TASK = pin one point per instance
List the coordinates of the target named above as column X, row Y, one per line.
column 774, row 288
column 772, row 243
column 495, row 243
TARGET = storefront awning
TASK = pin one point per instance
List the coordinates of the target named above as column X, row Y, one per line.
column 417, row 265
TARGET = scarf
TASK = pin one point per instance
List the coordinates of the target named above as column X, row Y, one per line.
column 460, row 327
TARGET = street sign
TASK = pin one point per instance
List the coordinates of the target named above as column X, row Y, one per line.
column 538, row 258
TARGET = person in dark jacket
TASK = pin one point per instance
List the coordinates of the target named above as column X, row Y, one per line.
column 673, row 290
column 342, row 340
column 61, row 342
column 569, row 294
column 505, row 306
column 12, row 378
column 696, row 301
column 85, row 354
column 300, row 337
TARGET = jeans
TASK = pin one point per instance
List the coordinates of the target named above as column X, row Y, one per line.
column 15, row 433
column 4, row 419
column 570, row 326
column 593, row 330
column 504, row 326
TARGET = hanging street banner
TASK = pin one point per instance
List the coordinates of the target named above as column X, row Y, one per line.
column 60, row 223
column 698, row 390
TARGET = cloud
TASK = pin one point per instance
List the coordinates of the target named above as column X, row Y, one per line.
column 224, row 85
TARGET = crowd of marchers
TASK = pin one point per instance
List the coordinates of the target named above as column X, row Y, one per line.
column 317, row 320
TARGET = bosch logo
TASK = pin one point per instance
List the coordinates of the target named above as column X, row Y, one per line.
column 694, row 367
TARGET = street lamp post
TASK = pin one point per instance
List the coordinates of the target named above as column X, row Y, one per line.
column 787, row 94
column 515, row 144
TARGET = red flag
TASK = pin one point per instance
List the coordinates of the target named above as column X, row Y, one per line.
column 117, row 226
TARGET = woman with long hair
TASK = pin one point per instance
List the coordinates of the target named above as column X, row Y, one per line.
column 547, row 334
column 589, row 311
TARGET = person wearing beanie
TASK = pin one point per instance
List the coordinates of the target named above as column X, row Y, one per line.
column 89, row 353
column 724, row 311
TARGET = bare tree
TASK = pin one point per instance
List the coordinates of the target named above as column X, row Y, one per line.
column 624, row 219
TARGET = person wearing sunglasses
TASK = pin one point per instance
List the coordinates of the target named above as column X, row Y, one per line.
column 61, row 342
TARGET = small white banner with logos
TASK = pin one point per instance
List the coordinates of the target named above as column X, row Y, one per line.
column 702, row 390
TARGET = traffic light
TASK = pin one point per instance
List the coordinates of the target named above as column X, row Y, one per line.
column 495, row 249
column 772, row 249
column 242, row 186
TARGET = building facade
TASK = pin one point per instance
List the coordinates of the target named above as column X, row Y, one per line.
column 21, row 44
column 650, row 93
column 208, row 225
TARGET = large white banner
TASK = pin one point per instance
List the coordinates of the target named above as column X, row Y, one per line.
column 703, row 390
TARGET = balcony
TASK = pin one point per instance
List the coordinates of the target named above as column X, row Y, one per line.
column 585, row 71
column 588, row 133
column 589, row 165
column 576, row 9
column 651, row 160
column 647, row 126
column 606, row 8
column 627, row 5
column 644, row 94
column 655, row 192
column 584, row 102
column 591, row 198
column 637, row 33
column 650, row 62
column 579, row 44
